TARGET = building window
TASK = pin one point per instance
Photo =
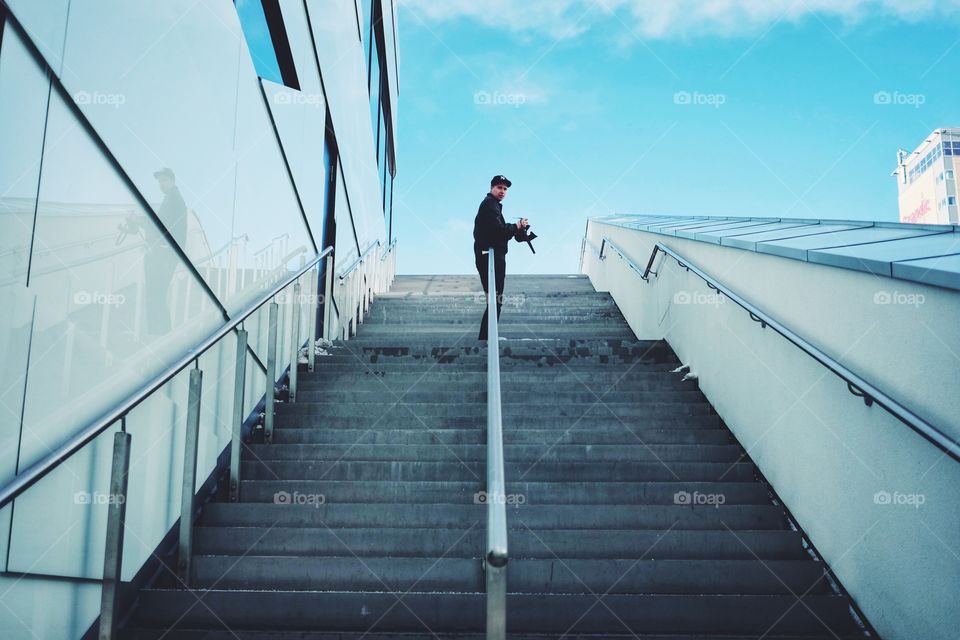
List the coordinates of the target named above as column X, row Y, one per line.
column 950, row 175
column 379, row 99
column 371, row 35
column 382, row 160
column 267, row 41
column 951, row 200
column 390, row 215
column 329, row 178
column 375, row 86
column 388, row 197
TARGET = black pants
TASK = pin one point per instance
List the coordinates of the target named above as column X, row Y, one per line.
column 159, row 265
column 500, row 272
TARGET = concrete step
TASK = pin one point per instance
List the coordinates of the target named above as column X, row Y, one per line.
column 581, row 434
column 476, row 360
column 517, row 307
column 521, row 327
column 446, row 394
column 532, row 471
column 561, row 385
column 422, row 341
column 527, row 575
column 479, row 302
column 470, row 318
column 603, row 365
column 535, row 311
column 524, row 543
column 515, row 304
column 405, row 417
column 541, row 613
column 478, row 298
column 535, row 407
column 240, row 634
column 507, row 329
column 469, row 514
column 554, row 316
column 619, row 454
column 541, row 493
column 562, row 382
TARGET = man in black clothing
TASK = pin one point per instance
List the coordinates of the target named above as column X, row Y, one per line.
column 491, row 230
column 160, row 260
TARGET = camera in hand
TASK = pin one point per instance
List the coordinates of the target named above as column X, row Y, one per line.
column 525, row 235
column 129, row 226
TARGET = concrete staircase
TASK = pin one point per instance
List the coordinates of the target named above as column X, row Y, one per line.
column 633, row 511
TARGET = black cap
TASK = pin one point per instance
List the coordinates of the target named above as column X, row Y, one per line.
column 500, row 180
column 166, row 172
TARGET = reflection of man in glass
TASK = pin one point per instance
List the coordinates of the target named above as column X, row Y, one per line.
column 160, row 260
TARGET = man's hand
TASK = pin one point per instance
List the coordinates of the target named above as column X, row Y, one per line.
column 523, row 223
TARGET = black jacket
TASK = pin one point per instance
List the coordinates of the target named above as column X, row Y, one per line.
column 490, row 229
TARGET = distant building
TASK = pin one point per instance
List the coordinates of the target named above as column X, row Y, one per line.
column 927, row 179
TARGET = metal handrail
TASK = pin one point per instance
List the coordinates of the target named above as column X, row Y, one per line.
column 497, row 553
column 855, row 384
column 223, row 249
column 587, row 243
column 390, row 247
column 356, row 263
column 35, row 472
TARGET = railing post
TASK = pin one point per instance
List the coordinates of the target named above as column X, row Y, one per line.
column 352, row 308
column 344, row 287
column 359, row 292
column 116, row 521
column 367, row 284
column 239, row 382
column 393, row 265
column 353, row 304
column 362, row 291
column 271, row 374
column 355, row 300
column 294, row 341
column 344, row 307
column 312, row 322
column 372, row 279
column 386, row 269
column 346, row 320
column 380, row 272
column 189, row 476
column 328, row 299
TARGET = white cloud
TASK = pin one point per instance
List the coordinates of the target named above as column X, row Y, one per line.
column 665, row 19
column 557, row 18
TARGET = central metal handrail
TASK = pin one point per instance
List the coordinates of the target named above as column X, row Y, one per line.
column 34, row 473
column 855, row 384
column 495, row 559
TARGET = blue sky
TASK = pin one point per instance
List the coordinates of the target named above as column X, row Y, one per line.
column 705, row 107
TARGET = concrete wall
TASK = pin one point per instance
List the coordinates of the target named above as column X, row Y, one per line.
column 878, row 501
